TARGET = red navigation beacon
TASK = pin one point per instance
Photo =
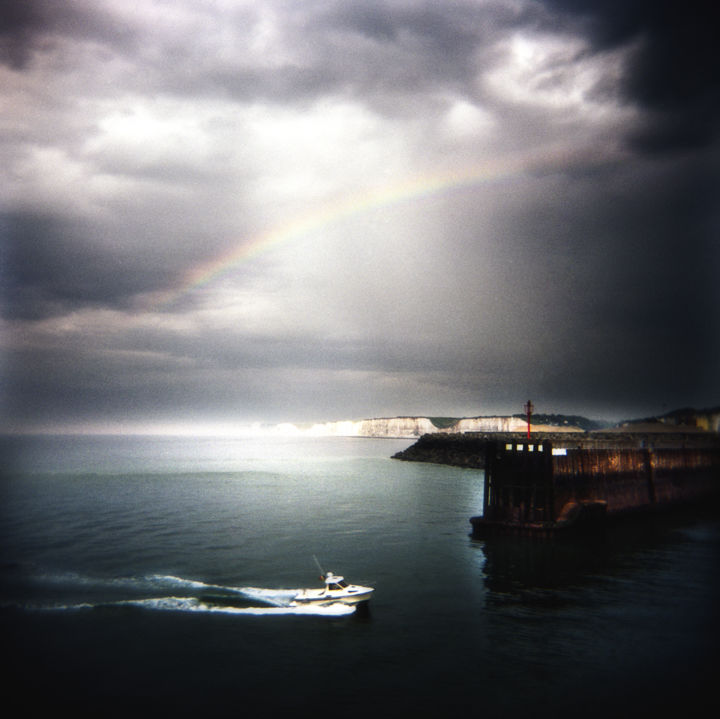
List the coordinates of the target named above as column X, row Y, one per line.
column 528, row 413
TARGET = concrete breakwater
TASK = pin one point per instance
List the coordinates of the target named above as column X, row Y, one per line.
column 555, row 481
column 457, row 450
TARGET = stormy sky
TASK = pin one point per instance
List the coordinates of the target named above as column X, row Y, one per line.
column 302, row 210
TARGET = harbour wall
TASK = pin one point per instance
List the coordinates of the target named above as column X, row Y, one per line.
column 557, row 481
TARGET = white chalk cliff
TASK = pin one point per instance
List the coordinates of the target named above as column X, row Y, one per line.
column 414, row 427
column 411, row 427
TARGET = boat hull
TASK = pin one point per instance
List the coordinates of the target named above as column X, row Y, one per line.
column 351, row 595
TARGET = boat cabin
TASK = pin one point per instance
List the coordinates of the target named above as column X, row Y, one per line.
column 334, row 583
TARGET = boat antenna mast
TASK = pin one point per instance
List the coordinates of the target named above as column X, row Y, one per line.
column 322, row 571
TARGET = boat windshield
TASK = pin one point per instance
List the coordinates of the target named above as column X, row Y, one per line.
column 337, row 585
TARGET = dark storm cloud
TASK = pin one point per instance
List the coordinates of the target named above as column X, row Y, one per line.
column 369, row 50
column 20, row 25
column 54, row 266
column 637, row 270
column 382, row 53
column 148, row 142
column 28, row 27
column 674, row 72
column 441, row 44
column 377, row 48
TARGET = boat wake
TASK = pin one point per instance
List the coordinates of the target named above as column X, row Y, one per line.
column 167, row 593
column 191, row 604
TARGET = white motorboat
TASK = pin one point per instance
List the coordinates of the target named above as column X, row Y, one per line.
column 336, row 590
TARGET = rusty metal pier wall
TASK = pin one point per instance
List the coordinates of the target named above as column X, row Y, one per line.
column 540, row 487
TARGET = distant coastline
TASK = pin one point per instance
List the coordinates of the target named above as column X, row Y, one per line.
column 412, row 427
column 401, row 427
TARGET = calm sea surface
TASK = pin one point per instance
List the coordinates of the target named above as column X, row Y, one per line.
column 148, row 575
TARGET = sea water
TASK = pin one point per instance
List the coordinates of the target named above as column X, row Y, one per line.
column 144, row 575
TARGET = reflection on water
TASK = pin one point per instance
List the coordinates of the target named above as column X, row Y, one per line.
column 625, row 619
column 513, row 564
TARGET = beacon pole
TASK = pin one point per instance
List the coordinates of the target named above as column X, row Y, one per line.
column 528, row 413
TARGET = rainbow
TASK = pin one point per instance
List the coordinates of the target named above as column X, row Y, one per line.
column 411, row 189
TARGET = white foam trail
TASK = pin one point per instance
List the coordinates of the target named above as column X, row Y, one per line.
column 73, row 579
column 190, row 604
column 163, row 581
column 193, row 605
column 169, row 579
column 185, row 604
column 278, row 597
